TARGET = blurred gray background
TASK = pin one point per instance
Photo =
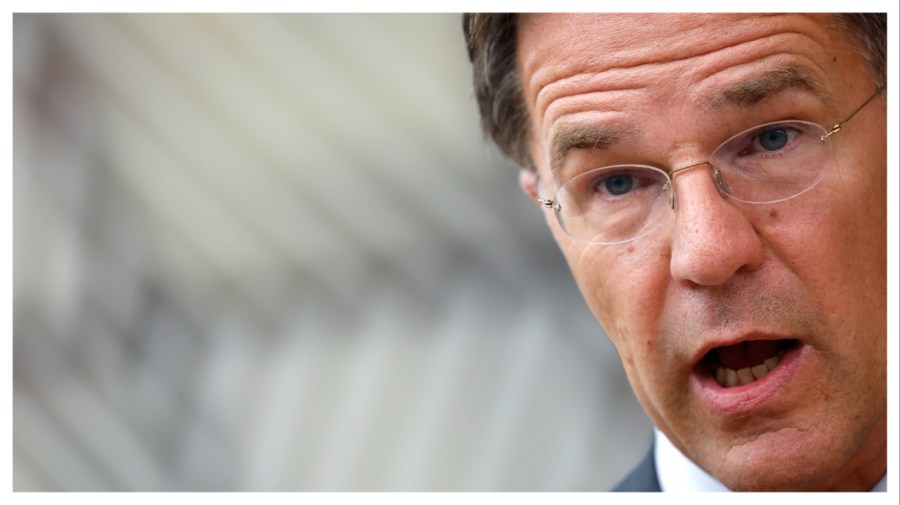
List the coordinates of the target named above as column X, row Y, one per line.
column 274, row 253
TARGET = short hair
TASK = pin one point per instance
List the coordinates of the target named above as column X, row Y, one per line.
column 491, row 42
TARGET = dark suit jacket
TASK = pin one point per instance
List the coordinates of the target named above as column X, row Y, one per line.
column 643, row 478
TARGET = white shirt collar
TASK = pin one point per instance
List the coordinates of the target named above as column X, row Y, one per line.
column 677, row 473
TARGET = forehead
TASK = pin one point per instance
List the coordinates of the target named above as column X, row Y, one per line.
column 553, row 46
column 606, row 67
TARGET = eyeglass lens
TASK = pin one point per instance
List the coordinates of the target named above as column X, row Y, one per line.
column 766, row 164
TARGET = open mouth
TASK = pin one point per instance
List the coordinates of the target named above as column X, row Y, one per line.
column 746, row 362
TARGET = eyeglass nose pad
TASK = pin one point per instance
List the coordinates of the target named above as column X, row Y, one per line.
column 719, row 182
column 723, row 186
column 668, row 187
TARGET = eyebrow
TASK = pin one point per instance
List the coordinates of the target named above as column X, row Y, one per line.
column 575, row 136
column 747, row 93
column 756, row 89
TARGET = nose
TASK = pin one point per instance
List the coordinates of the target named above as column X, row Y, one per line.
column 713, row 238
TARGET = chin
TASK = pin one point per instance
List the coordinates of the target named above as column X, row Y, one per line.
column 790, row 465
column 753, row 479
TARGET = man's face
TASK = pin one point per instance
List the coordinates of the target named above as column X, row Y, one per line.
column 723, row 282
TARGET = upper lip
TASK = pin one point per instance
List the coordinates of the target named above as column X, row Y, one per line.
column 735, row 339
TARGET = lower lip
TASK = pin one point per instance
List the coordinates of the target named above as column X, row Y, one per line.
column 743, row 399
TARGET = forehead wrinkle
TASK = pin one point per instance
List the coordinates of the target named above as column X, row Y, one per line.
column 572, row 136
column 552, row 83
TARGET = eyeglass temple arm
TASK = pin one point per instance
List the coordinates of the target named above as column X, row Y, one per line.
column 837, row 126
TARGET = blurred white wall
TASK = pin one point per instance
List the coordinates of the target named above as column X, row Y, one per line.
column 273, row 252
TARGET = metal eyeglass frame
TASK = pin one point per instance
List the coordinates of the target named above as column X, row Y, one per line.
column 722, row 185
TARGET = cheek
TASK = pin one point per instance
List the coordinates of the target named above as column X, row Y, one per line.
column 838, row 248
column 624, row 287
column 834, row 242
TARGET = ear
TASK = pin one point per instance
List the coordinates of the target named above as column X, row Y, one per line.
column 528, row 183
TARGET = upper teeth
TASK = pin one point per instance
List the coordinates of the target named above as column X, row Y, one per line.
column 728, row 378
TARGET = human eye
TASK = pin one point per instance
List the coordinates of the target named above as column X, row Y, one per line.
column 611, row 190
column 767, row 140
column 616, row 183
column 612, row 202
column 767, row 162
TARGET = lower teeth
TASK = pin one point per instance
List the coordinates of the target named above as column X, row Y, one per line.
column 728, row 378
